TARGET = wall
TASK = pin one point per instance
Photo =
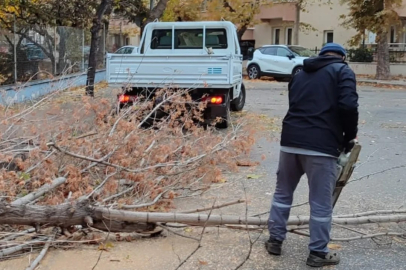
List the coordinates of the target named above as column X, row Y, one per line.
column 263, row 33
column 30, row 91
column 370, row 69
column 324, row 17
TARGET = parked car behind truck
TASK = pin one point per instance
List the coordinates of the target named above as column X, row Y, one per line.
column 278, row 61
column 203, row 57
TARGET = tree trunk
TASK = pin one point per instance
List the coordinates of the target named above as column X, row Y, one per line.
column 155, row 13
column 241, row 31
column 383, row 61
column 296, row 26
column 62, row 49
column 94, row 44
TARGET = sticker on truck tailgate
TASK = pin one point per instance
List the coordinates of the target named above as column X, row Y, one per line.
column 211, row 71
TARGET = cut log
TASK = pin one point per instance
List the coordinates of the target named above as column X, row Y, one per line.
column 66, row 215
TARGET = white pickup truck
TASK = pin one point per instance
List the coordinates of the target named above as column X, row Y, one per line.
column 203, row 57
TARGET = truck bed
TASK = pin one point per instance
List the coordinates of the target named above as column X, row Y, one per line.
column 183, row 71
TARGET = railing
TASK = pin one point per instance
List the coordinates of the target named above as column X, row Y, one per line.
column 32, row 52
column 368, row 53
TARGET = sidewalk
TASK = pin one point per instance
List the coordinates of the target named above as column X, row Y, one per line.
column 397, row 83
column 387, row 83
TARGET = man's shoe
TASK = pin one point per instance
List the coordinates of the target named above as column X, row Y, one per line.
column 320, row 260
column 273, row 246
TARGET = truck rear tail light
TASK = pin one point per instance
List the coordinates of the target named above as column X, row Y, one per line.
column 213, row 99
column 216, row 100
column 126, row 98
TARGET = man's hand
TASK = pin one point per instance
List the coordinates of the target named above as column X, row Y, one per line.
column 349, row 145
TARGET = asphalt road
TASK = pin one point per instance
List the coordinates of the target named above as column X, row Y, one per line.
column 382, row 134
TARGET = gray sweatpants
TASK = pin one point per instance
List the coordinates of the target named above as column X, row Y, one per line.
column 321, row 173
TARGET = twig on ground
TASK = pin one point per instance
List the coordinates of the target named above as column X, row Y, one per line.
column 293, row 206
column 378, row 172
column 41, row 255
column 366, row 236
column 145, row 204
column 107, row 237
column 371, row 213
column 248, row 233
column 8, row 251
column 200, row 241
column 176, row 233
column 13, row 236
column 215, row 207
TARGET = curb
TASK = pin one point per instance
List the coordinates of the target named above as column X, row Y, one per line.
column 383, row 83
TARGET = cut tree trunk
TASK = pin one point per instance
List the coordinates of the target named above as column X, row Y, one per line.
column 66, row 215
column 94, row 44
column 383, row 61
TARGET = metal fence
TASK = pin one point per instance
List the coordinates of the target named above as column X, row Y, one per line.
column 369, row 54
column 33, row 52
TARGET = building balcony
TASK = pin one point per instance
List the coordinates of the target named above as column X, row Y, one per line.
column 278, row 11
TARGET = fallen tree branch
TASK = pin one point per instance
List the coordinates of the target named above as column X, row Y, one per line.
column 214, row 207
column 176, row 233
column 11, row 250
column 41, row 191
column 293, row 206
column 13, row 236
column 200, row 241
column 365, row 236
column 41, row 255
column 371, row 213
column 378, row 172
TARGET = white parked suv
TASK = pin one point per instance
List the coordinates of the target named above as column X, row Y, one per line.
column 278, row 61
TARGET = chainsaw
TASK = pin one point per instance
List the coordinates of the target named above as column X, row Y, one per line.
column 345, row 165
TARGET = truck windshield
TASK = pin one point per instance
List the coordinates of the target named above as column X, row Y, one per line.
column 189, row 39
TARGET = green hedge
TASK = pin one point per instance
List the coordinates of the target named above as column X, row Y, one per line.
column 360, row 55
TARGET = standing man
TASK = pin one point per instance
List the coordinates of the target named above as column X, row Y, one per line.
column 322, row 121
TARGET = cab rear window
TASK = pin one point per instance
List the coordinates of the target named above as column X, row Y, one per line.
column 189, row 39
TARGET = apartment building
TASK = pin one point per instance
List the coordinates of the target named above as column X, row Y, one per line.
column 120, row 33
column 324, row 25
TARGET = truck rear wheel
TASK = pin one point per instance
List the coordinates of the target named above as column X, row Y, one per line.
column 238, row 103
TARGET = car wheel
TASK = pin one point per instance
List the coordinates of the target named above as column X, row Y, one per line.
column 254, row 72
column 238, row 103
column 296, row 70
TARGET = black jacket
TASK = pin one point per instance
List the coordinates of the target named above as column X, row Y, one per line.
column 323, row 107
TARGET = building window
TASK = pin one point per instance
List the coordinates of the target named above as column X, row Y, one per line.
column 328, row 36
column 392, row 35
column 276, row 36
column 289, row 32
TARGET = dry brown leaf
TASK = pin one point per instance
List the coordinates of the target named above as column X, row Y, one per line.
column 203, row 262
column 247, row 163
column 334, row 246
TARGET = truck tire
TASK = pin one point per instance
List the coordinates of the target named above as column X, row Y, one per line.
column 238, row 103
column 225, row 122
